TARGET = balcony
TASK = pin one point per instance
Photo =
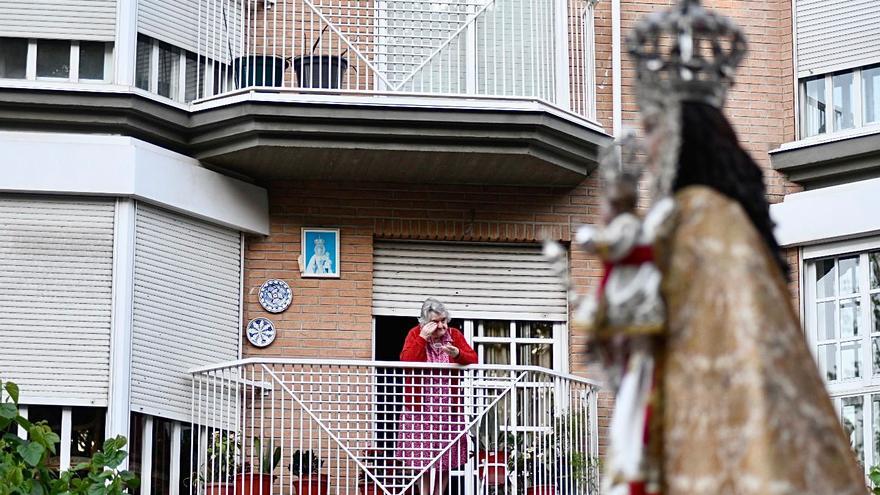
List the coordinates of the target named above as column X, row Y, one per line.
column 316, row 427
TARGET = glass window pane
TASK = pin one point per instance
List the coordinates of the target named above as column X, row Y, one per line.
column 86, row 434
column 853, row 424
column 169, row 70
column 825, row 319
column 814, row 107
column 13, row 58
column 849, row 275
column 843, row 101
column 825, row 278
column 874, row 267
column 534, row 330
column 53, row 58
column 195, row 78
column 534, row 355
column 828, row 361
column 875, row 427
column 91, row 60
column 161, row 465
column 875, row 313
column 495, row 353
column 875, row 352
column 850, row 357
column 495, row 329
column 850, row 316
column 135, row 446
column 142, row 63
column 186, row 438
column 871, row 94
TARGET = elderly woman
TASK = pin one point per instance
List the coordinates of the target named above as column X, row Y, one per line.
column 432, row 418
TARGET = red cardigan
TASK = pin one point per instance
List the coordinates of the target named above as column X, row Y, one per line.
column 415, row 348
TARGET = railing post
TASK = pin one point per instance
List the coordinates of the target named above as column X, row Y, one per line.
column 471, row 56
column 563, row 83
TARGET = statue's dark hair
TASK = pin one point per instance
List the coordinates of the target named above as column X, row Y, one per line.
column 711, row 155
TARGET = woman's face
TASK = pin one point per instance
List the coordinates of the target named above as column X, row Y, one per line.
column 442, row 326
column 320, row 250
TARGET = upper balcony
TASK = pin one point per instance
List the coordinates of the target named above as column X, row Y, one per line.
column 458, row 91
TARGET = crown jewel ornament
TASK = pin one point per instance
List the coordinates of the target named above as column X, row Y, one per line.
column 687, row 53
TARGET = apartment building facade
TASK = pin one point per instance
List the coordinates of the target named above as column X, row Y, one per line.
column 163, row 160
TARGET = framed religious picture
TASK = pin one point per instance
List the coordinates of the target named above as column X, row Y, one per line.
column 320, row 253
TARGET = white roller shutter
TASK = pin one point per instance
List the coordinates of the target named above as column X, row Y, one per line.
column 59, row 19
column 836, row 35
column 56, row 270
column 187, row 276
column 473, row 280
column 211, row 28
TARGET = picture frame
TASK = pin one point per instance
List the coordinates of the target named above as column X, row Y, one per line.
column 325, row 262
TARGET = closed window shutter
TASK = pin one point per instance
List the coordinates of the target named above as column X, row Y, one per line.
column 836, row 35
column 56, row 271
column 209, row 28
column 186, row 307
column 93, row 20
column 486, row 281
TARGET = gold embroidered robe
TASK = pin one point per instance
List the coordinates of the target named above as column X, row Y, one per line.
column 744, row 410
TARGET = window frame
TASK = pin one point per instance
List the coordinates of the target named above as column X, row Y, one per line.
column 868, row 386
column 146, row 452
column 858, row 106
column 73, row 73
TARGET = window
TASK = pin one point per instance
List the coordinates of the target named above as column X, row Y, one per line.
column 871, row 94
column 53, row 58
column 13, row 58
column 517, row 343
column 91, row 60
column 158, row 68
column 842, row 317
column 853, row 95
column 159, row 454
column 80, row 429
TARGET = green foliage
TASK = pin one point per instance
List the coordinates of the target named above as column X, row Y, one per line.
column 305, row 462
column 268, row 460
column 874, row 476
column 222, row 459
column 23, row 462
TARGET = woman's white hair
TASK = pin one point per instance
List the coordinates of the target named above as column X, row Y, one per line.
column 434, row 306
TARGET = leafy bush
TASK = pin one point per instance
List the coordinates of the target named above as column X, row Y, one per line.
column 874, row 476
column 23, row 462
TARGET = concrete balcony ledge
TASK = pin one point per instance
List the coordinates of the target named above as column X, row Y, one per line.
column 396, row 138
column 830, row 159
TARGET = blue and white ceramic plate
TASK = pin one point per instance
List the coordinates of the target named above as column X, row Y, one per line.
column 260, row 332
column 275, row 295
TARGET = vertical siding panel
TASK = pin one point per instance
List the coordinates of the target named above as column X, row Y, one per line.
column 186, row 306
column 56, row 264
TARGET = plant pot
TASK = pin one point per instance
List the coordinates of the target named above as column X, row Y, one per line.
column 369, row 489
column 312, row 485
column 492, row 466
column 218, row 489
column 253, row 484
column 259, row 70
column 319, row 71
column 541, row 490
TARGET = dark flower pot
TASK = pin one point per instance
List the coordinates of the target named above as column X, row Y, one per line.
column 541, row 490
column 259, row 70
column 312, row 485
column 492, row 466
column 319, row 71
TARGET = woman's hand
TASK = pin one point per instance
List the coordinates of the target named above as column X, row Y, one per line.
column 428, row 330
column 451, row 350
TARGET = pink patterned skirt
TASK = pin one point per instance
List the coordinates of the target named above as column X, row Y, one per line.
column 425, row 430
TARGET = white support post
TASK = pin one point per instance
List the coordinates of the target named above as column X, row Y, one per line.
column 23, row 412
column 174, row 489
column 563, row 80
column 470, row 57
column 30, row 70
column 146, row 473
column 66, row 426
column 118, row 404
column 125, row 42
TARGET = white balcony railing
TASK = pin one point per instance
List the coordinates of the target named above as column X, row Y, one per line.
column 267, row 427
column 536, row 49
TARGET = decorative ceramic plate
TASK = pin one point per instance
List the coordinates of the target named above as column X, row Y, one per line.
column 275, row 295
column 260, row 332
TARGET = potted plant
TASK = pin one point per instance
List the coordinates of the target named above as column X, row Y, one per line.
column 493, row 457
column 221, row 464
column 320, row 71
column 256, row 477
column 306, row 466
column 366, row 485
